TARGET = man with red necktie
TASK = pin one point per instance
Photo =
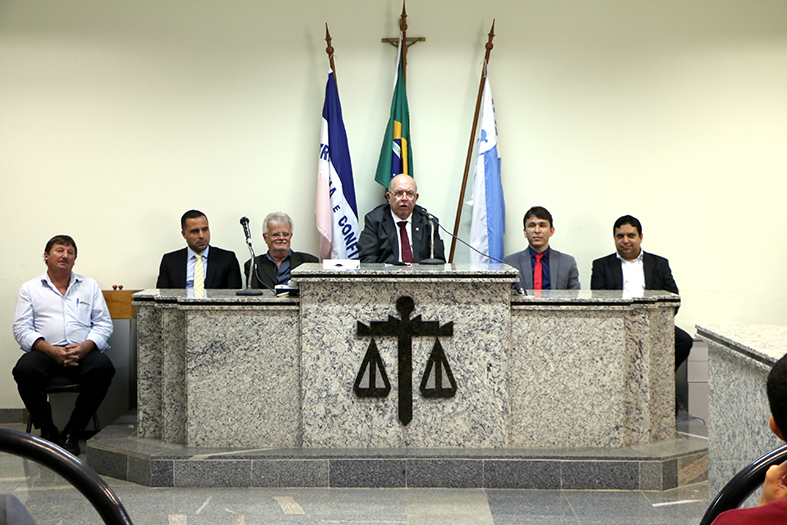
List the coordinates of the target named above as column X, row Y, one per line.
column 398, row 231
column 541, row 267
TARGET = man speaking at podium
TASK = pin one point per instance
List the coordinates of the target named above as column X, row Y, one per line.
column 398, row 231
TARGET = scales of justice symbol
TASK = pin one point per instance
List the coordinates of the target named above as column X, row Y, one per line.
column 437, row 381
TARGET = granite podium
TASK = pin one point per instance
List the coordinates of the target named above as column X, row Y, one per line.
column 739, row 360
column 406, row 357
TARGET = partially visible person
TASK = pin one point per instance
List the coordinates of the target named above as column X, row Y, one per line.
column 397, row 231
column 772, row 509
column 633, row 270
column 219, row 268
column 540, row 266
column 274, row 266
column 62, row 324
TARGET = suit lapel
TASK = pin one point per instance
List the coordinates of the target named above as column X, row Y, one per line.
column 554, row 265
column 528, row 266
column 392, row 231
column 617, row 271
column 418, row 240
column 211, row 268
column 182, row 268
column 648, row 267
column 270, row 269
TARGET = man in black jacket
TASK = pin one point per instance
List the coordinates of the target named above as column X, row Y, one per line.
column 220, row 268
column 633, row 271
column 399, row 219
column 274, row 266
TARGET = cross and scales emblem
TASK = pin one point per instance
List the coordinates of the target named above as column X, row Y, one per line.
column 438, row 380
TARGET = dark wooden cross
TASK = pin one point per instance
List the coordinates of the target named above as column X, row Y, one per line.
column 404, row 330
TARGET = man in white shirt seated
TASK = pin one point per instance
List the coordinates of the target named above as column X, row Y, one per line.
column 62, row 324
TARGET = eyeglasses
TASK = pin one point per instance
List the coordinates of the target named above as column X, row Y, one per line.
column 280, row 234
column 409, row 195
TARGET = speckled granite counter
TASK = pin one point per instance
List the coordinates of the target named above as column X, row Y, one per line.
column 592, row 369
column 472, row 300
column 739, row 360
column 218, row 371
column 487, row 369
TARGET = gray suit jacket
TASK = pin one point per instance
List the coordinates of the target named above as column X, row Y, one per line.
column 563, row 273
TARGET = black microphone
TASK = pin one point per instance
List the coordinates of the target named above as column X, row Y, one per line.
column 423, row 211
column 244, row 221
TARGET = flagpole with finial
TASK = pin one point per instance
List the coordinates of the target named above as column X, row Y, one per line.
column 329, row 51
column 489, row 46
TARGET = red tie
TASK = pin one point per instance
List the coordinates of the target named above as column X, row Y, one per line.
column 407, row 253
column 538, row 272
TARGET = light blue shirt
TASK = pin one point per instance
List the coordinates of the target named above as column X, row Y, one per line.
column 73, row 318
column 191, row 261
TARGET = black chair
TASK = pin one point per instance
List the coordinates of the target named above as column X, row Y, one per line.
column 71, row 469
column 745, row 482
column 60, row 385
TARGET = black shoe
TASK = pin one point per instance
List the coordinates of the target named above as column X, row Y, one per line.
column 70, row 442
column 51, row 434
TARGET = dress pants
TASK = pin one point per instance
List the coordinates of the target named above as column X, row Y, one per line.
column 683, row 344
column 34, row 370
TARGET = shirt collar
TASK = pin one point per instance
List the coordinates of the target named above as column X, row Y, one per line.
column 191, row 253
column 71, row 280
column 533, row 253
column 268, row 255
column 638, row 259
column 397, row 220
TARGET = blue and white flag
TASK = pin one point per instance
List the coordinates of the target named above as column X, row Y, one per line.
column 489, row 208
column 337, row 213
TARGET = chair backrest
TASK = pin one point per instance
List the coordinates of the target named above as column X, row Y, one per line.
column 743, row 484
column 71, row 469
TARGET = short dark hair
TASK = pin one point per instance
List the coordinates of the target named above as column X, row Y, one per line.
column 539, row 212
column 64, row 240
column 777, row 393
column 628, row 219
column 191, row 214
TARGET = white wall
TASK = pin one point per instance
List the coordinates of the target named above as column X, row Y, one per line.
column 117, row 116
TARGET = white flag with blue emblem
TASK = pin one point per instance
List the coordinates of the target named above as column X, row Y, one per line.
column 489, row 209
column 336, row 210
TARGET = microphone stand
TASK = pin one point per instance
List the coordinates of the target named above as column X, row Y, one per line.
column 431, row 259
column 252, row 271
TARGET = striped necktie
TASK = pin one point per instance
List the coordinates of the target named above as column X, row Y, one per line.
column 199, row 277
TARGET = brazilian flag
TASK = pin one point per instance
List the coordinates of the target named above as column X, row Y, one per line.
column 396, row 155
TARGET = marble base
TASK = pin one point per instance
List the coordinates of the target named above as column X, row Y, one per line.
column 117, row 452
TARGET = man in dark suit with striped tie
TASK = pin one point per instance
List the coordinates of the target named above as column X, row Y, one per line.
column 219, row 268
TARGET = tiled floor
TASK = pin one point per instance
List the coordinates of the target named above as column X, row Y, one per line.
column 51, row 500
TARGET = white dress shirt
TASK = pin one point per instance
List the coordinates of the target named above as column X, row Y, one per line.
column 633, row 276
column 73, row 318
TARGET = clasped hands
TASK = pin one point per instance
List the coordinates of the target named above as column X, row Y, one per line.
column 68, row 355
